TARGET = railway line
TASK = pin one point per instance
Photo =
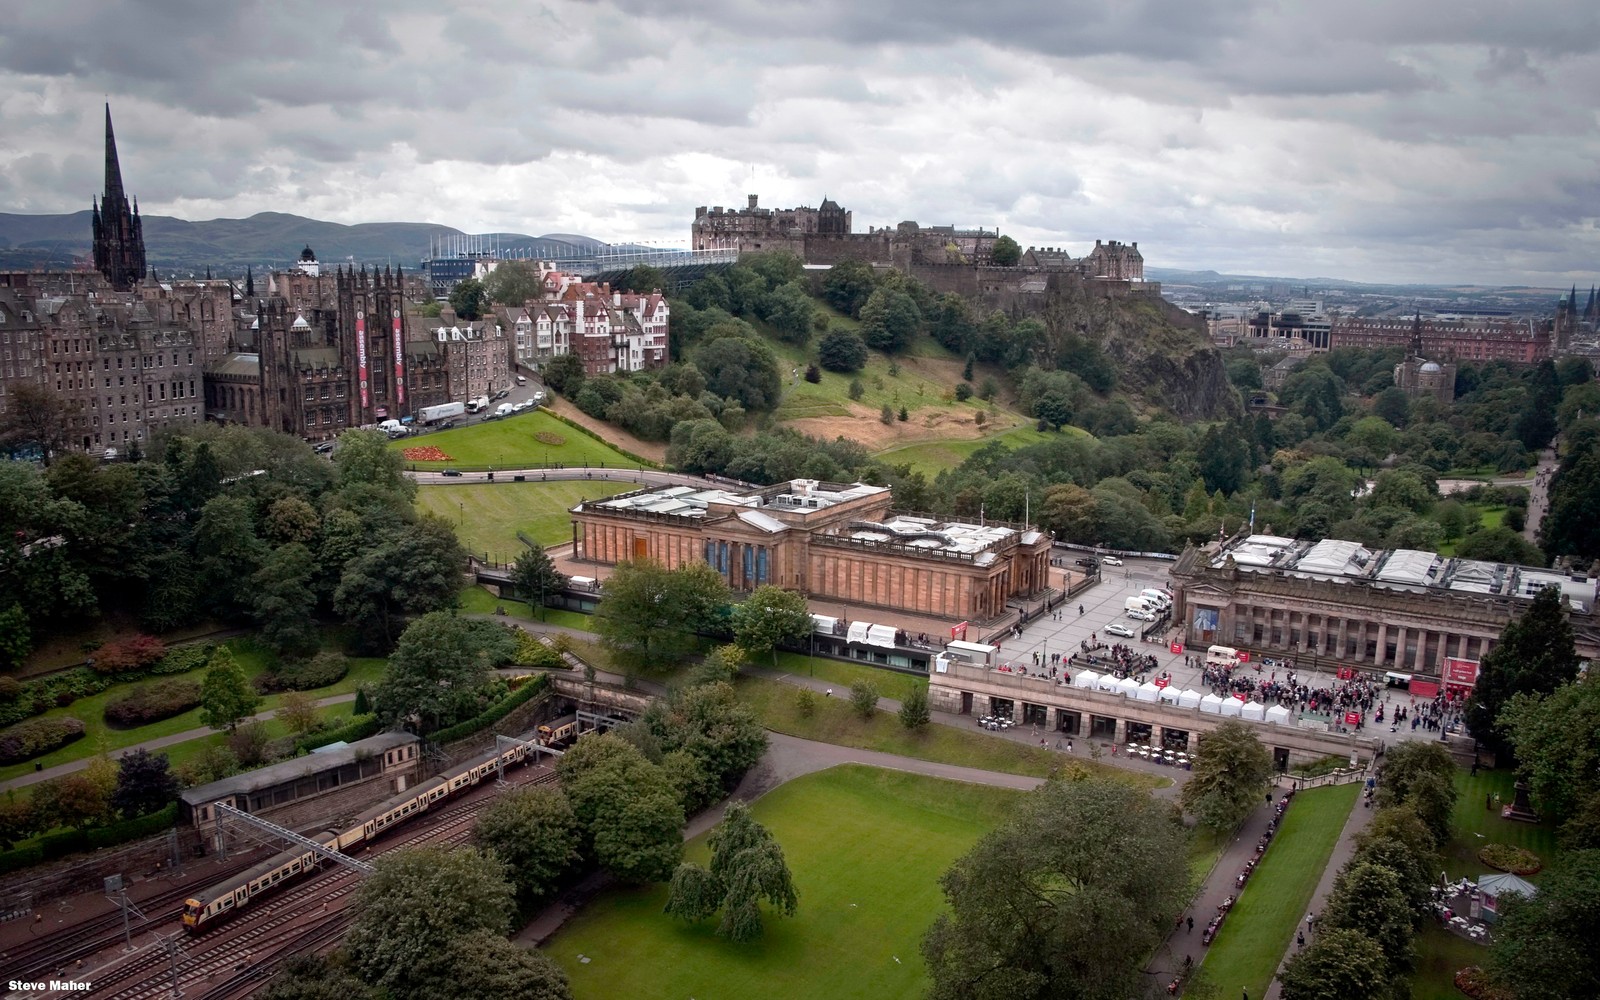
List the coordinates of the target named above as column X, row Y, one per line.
column 237, row 956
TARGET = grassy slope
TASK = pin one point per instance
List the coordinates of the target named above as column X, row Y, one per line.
column 98, row 735
column 510, row 443
column 930, row 457
column 833, row 721
column 1262, row 923
column 867, row 884
column 488, row 516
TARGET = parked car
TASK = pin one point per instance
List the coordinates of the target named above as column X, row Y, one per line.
column 451, row 472
column 522, row 380
column 502, row 394
column 1111, row 561
column 1088, row 563
column 1117, row 628
column 1139, row 616
column 519, row 407
column 324, row 447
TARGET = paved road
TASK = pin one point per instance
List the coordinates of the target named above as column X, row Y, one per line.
column 1539, row 494
column 156, row 744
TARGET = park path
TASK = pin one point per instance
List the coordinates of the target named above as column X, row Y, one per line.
column 159, row 743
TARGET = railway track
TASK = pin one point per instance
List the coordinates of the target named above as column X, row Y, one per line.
column 257, row 941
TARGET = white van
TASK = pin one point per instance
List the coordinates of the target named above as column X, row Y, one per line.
column 1160, row 598
column 1138, row 603
column 503, row 410
column 393, row 428
column 1222, row 656
column 522, row 380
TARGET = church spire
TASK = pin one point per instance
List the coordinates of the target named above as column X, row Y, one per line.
column 113, row 167
column 118, row 230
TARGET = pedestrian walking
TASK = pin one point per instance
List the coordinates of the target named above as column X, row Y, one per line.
column 1190, row 921
column 1301, row 938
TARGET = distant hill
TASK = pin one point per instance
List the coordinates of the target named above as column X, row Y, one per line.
column 264, row 241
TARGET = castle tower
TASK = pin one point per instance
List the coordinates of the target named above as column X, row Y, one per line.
column 118, row 231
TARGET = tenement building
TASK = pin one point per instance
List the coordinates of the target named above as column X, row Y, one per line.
column 828, row 541
column 1522, row 340
column 1337, row 603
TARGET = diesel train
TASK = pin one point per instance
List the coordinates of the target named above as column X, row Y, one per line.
column 203, row 910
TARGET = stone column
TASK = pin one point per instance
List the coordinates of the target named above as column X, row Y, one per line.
column 1380, row 651
column 1400, row 647
column 1119, row 736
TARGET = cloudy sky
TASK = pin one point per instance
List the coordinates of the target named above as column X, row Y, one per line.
column 1381, row 140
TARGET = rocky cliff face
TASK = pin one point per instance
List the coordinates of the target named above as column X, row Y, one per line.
column 1161, row 353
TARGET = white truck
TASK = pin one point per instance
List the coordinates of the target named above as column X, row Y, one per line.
column 478, row 405
column 504, row 410
column 394, row 428
column 444, row 411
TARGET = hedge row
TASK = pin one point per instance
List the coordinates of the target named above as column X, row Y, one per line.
column 59, row 845
column 494, row 713
column 136, row 652
column 358, row 728
column 305, row 675
column 28, row 740
column 630, row 456
column 184, row 659
column 24, row 700
column 153, row 702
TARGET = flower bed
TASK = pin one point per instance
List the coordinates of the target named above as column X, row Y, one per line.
column 1475, row 983
column 1515, row 860
column 36, row 737
column 550, row 438
column 425, row 453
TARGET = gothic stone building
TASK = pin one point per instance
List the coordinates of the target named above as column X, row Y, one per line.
column 827, row 541
column 117, row 229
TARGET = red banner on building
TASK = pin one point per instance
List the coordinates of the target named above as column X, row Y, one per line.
column 1176, row 647
column 959, row 632
column 1243, row 656
column 1352, row 718
column 399, row 366
column 361, row 358
column 1460, row 673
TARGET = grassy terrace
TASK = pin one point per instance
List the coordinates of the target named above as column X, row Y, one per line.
column 98, row 735
column 1263, row 921
column 932, row 456
column 867, row 880
column 488, row 516
column 509, row 443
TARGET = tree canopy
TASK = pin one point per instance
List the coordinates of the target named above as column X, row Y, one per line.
column 770, row 617
column 648, row 615
column 1544, row 947
column 1066, row 898
column 1556, row 740
column 438, row 667
column 534, row 831
column 226, row 696
column 626, row 807
column 1339, row 964
column 747, row 866
column 1231, row 772
column 1535, row 655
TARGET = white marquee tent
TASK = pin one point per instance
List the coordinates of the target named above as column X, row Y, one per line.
column 1129, row 687
column 1108, row 683
column 1087, row 679
column 1189, row 699
column 1253, row 710
column 1211, row 703
column 1148, row 692
column 1231, row 707
column 1170, row 693
column 1278, row 714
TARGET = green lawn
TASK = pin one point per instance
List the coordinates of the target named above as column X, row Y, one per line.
column 478, row 600
column 1263, row 921
column 488, row 516
column 1440, row 955
column 930, row 457
column 97, row 735
column 890, row 683
column 833, row 721
column 867, row 881
column 509, row 443
column 924, row 385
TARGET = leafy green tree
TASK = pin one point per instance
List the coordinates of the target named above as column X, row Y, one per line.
column 747, row 866
column 1535, row 655
column 39, row 418
column 485, row 964
column 535, row 574
column 413, row 907
column 842, row 351
column 1452, row 518
column 564, row 373
column 285, row 600
column 914, row 713
column 144, row 784
column 1315, row 393
column 1371, row 899
column 1006, row 252
column 864, row 698
column 1544, row 947
column 740, row 369
column 468, row 299
column 535, row 833
column 440, row 663
column 1499, row 544
column 1339, row 965
column 848, row 285
column 1065, row 899
column 16, row 639
column 228, row 553
column 417, row 571
column 226, row 696
column 1421, row 774
column 1556, row 739
column 312, row 977
column 770, row 617
column 648, row 615
column 1054, row 397
column 1393, row 405
column 1231, row 772
column 707, row 721
column 365, row 457
column 788, row 310
column 511, row 283
column 1224, row 459
column 1412, row 858
column 627, row 808
column 889, row 319
column 1572, row 524
column 700, row 446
